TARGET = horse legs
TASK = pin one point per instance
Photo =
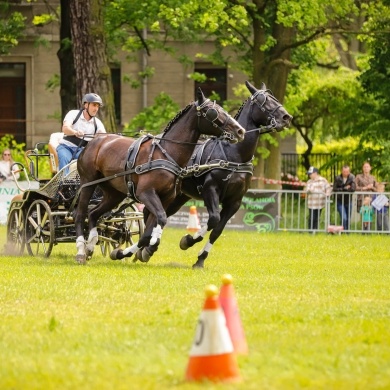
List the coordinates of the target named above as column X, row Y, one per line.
column 119, row 254
column 111, row 198
column 156, row 221
column 154, row 225
column 81, row 214
column 211, row 200
column 228, row 210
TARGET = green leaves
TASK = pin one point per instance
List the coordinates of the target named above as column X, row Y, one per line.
column 152, row 119
column 11, row 29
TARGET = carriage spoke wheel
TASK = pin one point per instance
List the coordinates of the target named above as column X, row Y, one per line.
column 134, row 227
column 130, row 229
column 39, row 229
column 15, row 232
column 106, row 247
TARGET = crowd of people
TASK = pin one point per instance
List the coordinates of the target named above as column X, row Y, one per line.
column 345, row 184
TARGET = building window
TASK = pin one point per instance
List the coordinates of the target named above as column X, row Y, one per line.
column 13, row 100
column 216, row 82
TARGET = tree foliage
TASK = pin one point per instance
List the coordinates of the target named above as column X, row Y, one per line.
column 154, row 118
column 11, row 28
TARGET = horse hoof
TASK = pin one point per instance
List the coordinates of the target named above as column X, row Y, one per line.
column 138, row 256
column 186, row 242
column 145, row 256
column 197, row 266
column 116, row 254
column 81, row 259
column 88, row 254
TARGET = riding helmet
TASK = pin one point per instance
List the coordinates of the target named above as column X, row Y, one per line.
column 92, row 98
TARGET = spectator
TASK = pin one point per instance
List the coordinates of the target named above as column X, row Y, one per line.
column 5, row 167
column 344, row 185
column 367, row 213
column 317, row 189
column 79, row 127
column 380, row 202
column 365, row 182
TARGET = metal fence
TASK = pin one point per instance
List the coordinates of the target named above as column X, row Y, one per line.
column 293, row 212
column 329, row 164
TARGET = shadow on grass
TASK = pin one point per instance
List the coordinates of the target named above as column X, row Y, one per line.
column 63, row 260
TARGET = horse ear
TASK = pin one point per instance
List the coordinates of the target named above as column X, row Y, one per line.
column 263, row 87
column 250, row 87
column 201, row 97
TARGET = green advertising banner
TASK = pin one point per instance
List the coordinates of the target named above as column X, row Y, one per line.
column 258, row 211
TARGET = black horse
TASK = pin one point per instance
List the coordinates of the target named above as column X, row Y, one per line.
column 146, row 170
column 228, row 168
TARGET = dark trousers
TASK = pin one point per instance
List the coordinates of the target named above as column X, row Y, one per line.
column 382, row 221
column 314, row 218
column 344, row 210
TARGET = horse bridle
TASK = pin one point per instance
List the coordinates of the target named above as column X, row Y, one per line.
column 271, row 114
column 211, row 114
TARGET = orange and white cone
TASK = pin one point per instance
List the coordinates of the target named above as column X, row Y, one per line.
column 193, row 220
column 212, row 355
column 229, row 306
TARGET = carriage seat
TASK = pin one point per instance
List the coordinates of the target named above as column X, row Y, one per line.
column 54, row 141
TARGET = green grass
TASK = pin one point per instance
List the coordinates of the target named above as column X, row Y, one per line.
column 315, row 310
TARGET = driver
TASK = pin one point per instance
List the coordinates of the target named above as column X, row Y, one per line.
column 79, row 127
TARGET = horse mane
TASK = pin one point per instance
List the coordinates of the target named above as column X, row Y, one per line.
column 240, row 109
column 178, row 115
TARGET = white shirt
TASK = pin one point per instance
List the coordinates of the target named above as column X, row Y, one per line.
column 87, row 127
column 5, row 170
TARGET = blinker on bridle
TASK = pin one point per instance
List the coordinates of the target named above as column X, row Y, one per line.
column 211, row 115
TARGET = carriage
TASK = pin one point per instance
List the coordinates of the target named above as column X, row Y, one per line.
column 39, row 219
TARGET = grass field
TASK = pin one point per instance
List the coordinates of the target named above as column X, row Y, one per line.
column 315, row 310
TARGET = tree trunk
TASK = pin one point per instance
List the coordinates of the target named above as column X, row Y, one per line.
column 273, row 71
column 275, row 76
column 93, row 73
column 65, row 57
column 259, row 76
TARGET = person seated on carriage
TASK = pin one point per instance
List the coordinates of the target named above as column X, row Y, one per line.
column 6, row 162
column 79, row 127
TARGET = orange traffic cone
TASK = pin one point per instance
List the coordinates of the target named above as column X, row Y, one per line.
column 212, row 356
column 229, row 305
column 193, row 220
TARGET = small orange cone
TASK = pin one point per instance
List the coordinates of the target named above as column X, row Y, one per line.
column 229, row 305
column 193, row 220
column 212, row 356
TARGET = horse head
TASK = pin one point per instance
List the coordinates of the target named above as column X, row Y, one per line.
column 270, row 111
column 212, row 116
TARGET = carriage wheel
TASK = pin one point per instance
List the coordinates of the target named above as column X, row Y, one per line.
column 39, row 230
column 131, row 230
column 15, row 233
column 134, row 227
column 106, row 247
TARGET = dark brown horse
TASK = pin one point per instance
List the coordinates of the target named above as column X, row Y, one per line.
column 147, row 170
column 227, row 169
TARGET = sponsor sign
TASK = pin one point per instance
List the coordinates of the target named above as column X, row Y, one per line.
column 258, row 211
column 8, row 190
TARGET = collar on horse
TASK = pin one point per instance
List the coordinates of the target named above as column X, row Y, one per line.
column 195, row 168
